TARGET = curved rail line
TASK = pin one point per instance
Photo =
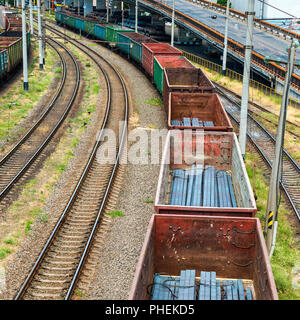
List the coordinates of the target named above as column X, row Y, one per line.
column 264, row 142
column 57, row 269
column 18, row 160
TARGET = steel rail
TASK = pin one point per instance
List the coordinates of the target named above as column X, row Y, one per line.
column 260, row 151
column 257, row 106
column 266, row 131
column 81, row 180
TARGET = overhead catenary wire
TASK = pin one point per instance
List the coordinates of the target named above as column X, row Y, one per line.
column 267, row 4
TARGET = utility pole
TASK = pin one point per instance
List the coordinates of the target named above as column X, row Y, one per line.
column 245, row 92
column 43, row 29
column 40, row 35
column 225, row 40
column 122, row 10
column 136, row 15
column 107, row 11
column 173, row 22
column 262, row 9
column 31, row 17
column 24, row 41
column 273, row 203
column 78, row 7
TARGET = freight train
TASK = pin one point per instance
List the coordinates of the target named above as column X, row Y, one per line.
column 204, row 242
column 11, row 49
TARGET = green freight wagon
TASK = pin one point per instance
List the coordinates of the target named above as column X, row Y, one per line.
column 15, row 53
column 165, row 61
column 3, row 63
column 112, row 32
column 89, row 27
column 69, row 21
column 100, row 32
column 125, row 40
column 14, row 50
column 58, row 16
column 79, row 24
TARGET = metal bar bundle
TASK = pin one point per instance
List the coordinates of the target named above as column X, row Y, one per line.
column 164, row 288
column 176, row 123
column 232, row 196
column 208, row 124
column 187, row 285
column 197, row 189
column 241, row 290
column 209, row 187
column 202, row 285
column 225, row 190
column 187, row 122
column 177, row 173
column 191, row 177
column 228, row 289
column 192, row 122
column 184, row 287
column 195, row 122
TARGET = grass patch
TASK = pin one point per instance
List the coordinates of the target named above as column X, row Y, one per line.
column 4, row 251
column 79, row 293
column 156, row 102
column 286, row 254
column 58, row 70
column 10, row 241
column 115, row 214
column 149, row 200
column 29, row 222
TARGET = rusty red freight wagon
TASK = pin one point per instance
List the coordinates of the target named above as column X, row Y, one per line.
column 222, row 253
column 166, row 61
column 202, row 172
column 150, row 50
column 185, row 80
column 197, row 111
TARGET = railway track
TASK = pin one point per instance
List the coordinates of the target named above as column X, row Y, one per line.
column 264, row 143
column 237, row 98
column 19, row 159
column 56, row 271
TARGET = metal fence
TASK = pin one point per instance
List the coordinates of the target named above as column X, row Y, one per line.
column 239, row 77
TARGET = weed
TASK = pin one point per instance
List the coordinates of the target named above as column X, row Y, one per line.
column 10, row 241
column 44, row 217
column 149, row 200
column 29, row 222
column 4, row 251
column 79, row 293
column 115, row 214
column 58, row 70
column 156, row 102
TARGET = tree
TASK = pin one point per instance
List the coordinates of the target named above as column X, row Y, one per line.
column 223, row 3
